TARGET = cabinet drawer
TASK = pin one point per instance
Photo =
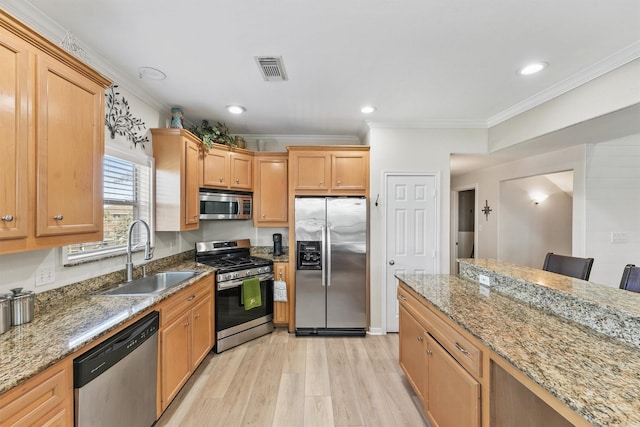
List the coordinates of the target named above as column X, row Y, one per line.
column 467, row 354
column 180, row 302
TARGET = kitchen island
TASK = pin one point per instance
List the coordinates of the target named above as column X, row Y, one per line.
column 580, row 373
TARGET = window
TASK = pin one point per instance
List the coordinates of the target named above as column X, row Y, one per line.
column 128, row 195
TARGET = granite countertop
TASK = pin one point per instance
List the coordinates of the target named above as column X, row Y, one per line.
column 595, row 375
column 267, row 252
column 73, row 322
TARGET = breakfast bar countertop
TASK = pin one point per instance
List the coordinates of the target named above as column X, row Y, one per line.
column 595, row 375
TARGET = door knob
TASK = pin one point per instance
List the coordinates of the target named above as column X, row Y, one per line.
column 392, row 262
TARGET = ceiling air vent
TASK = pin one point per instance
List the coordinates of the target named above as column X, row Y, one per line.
column 272, row 68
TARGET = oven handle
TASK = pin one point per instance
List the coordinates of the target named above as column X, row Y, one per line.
column 236, row 283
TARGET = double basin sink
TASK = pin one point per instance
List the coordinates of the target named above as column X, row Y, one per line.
column 151, row 285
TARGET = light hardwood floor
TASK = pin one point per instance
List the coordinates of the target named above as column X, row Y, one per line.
column 282, row 380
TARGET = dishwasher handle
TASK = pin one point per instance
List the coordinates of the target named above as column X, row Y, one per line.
column 94, row 362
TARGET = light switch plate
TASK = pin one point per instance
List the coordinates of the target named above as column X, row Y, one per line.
column 484, row 280
column 619, row 237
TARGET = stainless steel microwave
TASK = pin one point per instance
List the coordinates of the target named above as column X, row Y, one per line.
column 219, row 204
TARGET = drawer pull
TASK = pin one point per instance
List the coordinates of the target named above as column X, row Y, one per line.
column 186, row 324
column 221, row 179
column 429, row 352
column 197, row 315
column 419, row 338
column 237, row 181
column 462, row 349
column 7, row 218
column 402, row 297
column 191, row 298
column 58, row 217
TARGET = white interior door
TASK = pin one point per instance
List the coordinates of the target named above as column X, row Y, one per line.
column 411, row 233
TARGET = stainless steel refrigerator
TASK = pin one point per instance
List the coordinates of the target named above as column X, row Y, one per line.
column 331, row 265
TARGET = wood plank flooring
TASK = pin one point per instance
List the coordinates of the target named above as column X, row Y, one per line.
column 281, row 380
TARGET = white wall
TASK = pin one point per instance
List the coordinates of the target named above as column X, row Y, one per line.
column 411, row 150
column 613, row 206
column 527, row 230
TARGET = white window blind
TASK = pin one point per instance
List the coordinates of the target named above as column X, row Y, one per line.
column 128, row 195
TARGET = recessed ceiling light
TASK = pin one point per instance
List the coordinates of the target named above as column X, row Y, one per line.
column 532, row 68
column 236, row 109
column 368, row 109
column 151, row 73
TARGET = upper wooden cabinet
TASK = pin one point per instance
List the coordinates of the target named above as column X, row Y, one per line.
column 270, row 207
column 51, row 144
column 227, row 168
column 177, row 155
column 339, row 170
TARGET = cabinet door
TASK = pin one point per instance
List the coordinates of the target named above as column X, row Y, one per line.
column 349, row 171
column 14, row 78
column 453, row 395
column 215, row 171
column 270, row 197
column 241, row 166
column 69, row 147
column 202, row 315
column 311, row 171
column 281, row 309
column 175, row 347
column 412, row 352
column 192, row 184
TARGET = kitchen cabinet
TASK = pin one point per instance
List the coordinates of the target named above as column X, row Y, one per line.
column 442, row 366
column 281, row 309
column 227, row 168
column 412, row 351
column 339, row 170
column 186, row 336
column 270, row 207
column 177, row 157
column 46, row 399
column 52, row 143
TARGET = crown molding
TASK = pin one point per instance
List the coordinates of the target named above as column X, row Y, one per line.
column 50, row 29
column 610, row 63
column 305, row 139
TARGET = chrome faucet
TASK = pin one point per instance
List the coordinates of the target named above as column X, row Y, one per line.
column 148, row 254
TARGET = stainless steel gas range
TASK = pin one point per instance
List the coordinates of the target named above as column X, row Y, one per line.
column 233, row 323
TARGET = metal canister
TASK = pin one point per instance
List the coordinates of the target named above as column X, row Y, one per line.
column 22, row 306
column 5, row 313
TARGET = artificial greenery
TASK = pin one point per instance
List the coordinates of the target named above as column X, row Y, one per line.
column 119, row 120
column 218, row 134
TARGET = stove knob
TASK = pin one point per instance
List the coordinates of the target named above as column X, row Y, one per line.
column 260, row 270
column 235, row 275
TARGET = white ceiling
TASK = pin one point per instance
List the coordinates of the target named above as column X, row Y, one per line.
column 420, row 62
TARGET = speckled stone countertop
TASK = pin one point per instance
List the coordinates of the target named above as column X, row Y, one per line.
column 611, row 311
column 70, row 318
column 267, row 252
column 595, row 375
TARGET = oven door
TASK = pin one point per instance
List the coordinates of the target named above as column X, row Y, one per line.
column 231, row 317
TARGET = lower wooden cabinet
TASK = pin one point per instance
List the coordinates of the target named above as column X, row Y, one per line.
column 281, row 309
column 453, row 395
column 45, row 400
column 186, row 337
column 413, row 351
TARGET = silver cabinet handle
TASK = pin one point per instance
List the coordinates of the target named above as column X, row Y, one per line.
column 462, row 349
column 191, row 298
column 197, row 315
column 419, row 338
column 7, row 218
column 402, row 297
column 429, row 352
column 186, row 324
column 392, row 262
column 237, row 181
column 58, row 217
column 221, row 179
column 339, row 182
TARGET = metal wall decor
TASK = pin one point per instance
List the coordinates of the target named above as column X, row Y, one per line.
column 119, row 120
column 487, row 209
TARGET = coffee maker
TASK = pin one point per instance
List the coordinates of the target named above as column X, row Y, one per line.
column 277, row 244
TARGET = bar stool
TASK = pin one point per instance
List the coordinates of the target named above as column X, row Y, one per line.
column 630, row 278
column 580, row 268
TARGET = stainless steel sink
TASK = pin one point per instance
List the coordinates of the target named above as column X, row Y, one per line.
column 151, row 285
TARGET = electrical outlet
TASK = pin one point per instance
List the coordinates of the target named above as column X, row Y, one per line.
column 484, row 280
column 45, row 275
column 484, row 291
column 619, row 237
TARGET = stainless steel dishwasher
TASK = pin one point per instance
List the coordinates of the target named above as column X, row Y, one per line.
column 115, row 382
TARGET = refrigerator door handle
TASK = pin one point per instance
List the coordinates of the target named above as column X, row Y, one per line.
column 323, row 264
column 328, row 256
